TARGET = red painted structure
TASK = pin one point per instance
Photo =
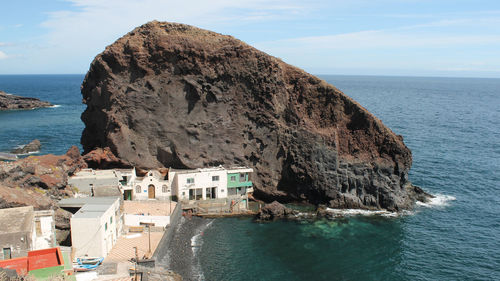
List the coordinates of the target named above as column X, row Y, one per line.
column 35, row 260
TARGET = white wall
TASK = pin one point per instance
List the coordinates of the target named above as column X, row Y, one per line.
column 89, row 236
column 144, row 184
column 47, row 237
column 203, row 180
column 135, row 220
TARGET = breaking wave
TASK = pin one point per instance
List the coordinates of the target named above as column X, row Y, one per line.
column 439, row 200
column 361, row 212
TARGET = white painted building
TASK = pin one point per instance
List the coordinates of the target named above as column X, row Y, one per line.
column 210, row 183
column 153, row 185
column 22, row 229
column 101, row 182
column 96, row 226
column 195, row 184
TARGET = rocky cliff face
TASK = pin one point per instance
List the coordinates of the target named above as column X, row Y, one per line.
column 177, row 96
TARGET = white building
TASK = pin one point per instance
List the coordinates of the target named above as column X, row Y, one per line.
column 196, row 184
column 210, row 183
column 96, row 226
column 101, row 182
column 22, row 229
column 153, row 185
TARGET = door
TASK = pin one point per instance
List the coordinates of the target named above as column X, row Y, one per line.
column 6, row 254
column 214, row 190
column 151, row 191
column 127, row 195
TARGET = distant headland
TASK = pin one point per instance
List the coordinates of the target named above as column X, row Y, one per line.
column 13, row 102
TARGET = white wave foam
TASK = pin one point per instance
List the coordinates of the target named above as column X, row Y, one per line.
column 439, row 200
column 361, row 212
column 31, row 152
column 196, row 243
column 55, row 106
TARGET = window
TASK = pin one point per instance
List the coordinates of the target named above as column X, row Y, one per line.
column 110, row 220
column 105, row 226
column 242, row 177
column 215, row 178
column 164, row 188
column 190, row 180
column 233, row 178
column 138, row 189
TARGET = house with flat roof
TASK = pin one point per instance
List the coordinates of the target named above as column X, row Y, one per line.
column 96, row 224
column 210, row 183
column 101, row 182
column 23, row 230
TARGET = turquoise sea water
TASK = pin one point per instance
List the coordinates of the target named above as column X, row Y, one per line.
column 452, row 125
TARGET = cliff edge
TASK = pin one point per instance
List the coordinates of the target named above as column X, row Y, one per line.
column 173, row 95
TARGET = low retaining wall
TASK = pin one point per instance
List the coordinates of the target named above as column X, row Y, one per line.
column 135, row 220
column 164, row 243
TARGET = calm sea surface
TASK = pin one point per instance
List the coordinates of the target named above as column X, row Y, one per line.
column 452, row 125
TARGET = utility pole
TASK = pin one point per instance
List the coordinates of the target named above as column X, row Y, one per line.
column 136, row 260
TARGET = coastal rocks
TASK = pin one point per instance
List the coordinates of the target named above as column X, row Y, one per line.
column 48, row 173
column 274, row 210
column 33, row 146
column 103, row 158
column 8, row 101
column 172, row 95
column 40, row 181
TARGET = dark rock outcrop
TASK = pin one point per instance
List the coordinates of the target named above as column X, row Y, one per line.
column 172, row 95
column 8, row 101
column 274, row 210
column 33, row 146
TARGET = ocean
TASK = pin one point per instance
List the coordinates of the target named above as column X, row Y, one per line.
column 452, row 126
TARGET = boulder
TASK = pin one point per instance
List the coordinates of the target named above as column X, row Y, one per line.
column 173, row 95
column 33, row 146
column 274, row 210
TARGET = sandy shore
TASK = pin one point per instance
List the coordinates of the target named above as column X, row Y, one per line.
column 182, row 254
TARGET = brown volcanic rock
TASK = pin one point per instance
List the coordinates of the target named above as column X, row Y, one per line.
column 103, row 158
column 46, row 173
column 174, row 95
column 8, row 101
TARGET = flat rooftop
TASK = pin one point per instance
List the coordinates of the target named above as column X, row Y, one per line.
column 81, row 201
column 213, row 169
column 18, row 219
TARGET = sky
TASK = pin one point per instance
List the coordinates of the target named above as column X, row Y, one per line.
column 452, row 38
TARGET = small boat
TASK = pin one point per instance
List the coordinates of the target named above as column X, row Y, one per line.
column 87, row 263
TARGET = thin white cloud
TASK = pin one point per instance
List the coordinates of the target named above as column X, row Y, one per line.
column 3, row 55
column 96, row 24
column 380, row 39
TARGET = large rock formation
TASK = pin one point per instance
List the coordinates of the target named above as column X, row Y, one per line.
column 8, row 101
column 177, row 96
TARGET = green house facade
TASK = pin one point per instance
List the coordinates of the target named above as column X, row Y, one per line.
column 238, row 182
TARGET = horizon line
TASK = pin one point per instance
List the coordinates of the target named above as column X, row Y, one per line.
column 319, row 74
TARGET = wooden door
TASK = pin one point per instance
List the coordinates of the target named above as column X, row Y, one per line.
column 151, row 191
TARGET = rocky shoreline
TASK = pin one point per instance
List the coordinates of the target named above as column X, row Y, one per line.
column 13, row 102
column 181, row 255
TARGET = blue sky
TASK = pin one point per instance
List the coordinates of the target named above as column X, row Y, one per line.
column 357, row 37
